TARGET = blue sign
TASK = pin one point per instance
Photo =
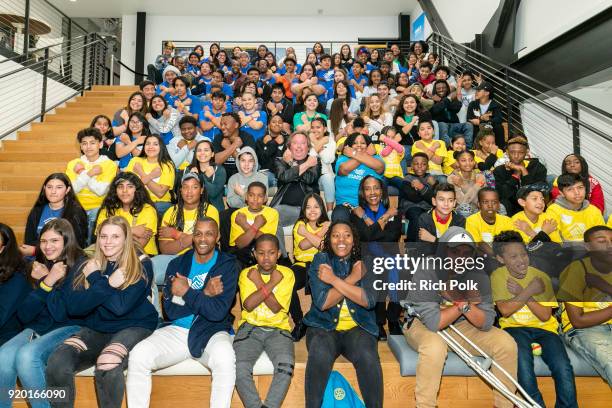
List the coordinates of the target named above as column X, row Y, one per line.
column 418, row 28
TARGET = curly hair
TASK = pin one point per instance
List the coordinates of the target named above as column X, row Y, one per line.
column 112, row 203
column 355, row 251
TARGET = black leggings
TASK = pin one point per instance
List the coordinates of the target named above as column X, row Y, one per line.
column 83, row 350
column 301, row 279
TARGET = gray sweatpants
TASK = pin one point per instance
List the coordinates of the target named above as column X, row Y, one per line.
column 250, row 341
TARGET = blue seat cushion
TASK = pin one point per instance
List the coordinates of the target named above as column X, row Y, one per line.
column 454, row 366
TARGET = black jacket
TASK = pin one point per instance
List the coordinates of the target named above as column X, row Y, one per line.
column 426, row 221
column 391, row 233
column 287, row 174
column 446, row 110
column 508, row 186
column 286, row 113
column 268, row 153
column 78, row 222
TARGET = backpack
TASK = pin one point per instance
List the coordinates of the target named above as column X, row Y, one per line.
column 340, row 394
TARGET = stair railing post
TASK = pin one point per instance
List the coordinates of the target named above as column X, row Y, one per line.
column 26, row 31
column 575, row 126
column 43, row 99
column 508, row 101
column 83, row 66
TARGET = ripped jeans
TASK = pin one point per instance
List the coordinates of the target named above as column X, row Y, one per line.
column 107, row 351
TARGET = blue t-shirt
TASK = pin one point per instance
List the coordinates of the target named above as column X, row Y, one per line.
column 195, row 107
column 197, row 277
column 47, row 215
column 123, row 162
column 227, row 90
column 347, row 187
column 212, row 132
column 257, row 133
column 326, row 78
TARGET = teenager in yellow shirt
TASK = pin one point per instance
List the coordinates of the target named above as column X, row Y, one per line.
column 525, row 298
column 265, row 295
column 533, row 222
column 178, row 222
column 573, row 212
column 487, row 223
column 128, row 198
column 308, row 233
column 248, row 223
column 91, row 174
column 434, row 149
column 586, row 289
column 457, row 145
column 156, row 170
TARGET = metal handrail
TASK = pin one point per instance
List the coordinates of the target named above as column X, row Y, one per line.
column 34, row 50
column 549, row 88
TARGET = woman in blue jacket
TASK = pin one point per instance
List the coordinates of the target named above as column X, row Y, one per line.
column 13, row 285
column 42, row 312
column 112, row 292
column 341, row 319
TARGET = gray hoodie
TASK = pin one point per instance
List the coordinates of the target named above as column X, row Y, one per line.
column 233, row 199
column 426, row 303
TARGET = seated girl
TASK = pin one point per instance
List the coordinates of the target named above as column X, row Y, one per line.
column 129, row 144
column 486, row 152
column 55, row 200
column 156, row 170
column 467, row 180
column 392, row 153
column 43, row 311
column 341, row 320
column 457, row 145
column 104, row 125
column 302, row 120
column 129, row 198
column 113, row 291
column 308, row 233
column 434, row 149
column 163, row 119
column 375, row 115
column 325, row 148
column 136, row 103
column 213, row 175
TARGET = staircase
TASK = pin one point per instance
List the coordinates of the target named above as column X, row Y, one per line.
column 47, row 148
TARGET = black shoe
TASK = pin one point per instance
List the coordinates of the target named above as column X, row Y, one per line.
column 382, row 334
column 299, row 331
column 395, row 329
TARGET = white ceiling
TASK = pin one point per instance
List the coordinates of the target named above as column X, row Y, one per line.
column 117, row 8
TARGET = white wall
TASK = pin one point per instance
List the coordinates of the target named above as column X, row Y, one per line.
column 540, row 21
column 22, row 94
column 466, row 18
column 203, row 29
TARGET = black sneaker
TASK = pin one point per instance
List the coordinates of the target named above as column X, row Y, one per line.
column 395, row 328
column 299, row 331
column 382, row 334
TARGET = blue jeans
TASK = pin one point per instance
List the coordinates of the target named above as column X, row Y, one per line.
column 91, row 223
column 594, row 344
column 25, row 356
column 161, row 207
column 448, row 130
column 328, row 186
column 555, row 357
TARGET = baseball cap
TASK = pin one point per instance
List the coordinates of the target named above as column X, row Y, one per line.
column 457, row 236
column 485, row 86
column 191, row 175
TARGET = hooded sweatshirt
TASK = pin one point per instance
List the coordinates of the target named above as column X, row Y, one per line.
column 572, row 224
column 240, row 178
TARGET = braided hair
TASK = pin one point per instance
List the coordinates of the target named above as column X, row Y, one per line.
column 178, row 219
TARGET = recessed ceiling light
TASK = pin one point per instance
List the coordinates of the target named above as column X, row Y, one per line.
column 73, row 1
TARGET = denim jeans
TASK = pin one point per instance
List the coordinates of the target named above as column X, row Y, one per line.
column 555, row 357
column 341, row 213
column 250, row 341
column 25, row 356
column 448, row 130
column 162, row 207
column 594, row 344
column 328, row 186
column 92, row 215
column 67, row 360
column 359, row 347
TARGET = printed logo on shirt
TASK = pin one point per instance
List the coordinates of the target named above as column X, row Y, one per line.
column 566, row 219
column 198, row 282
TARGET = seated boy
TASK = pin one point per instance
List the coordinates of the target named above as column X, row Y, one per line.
column 434, row 149
column 487, row 222
column 572, row 211
column 210, row 117
column 248, row 223
column 91, row 174
column 416, row 193
column 435, row 222
column 181, row 148
column 265, row 294
column 586, row 289
column 525, row 298
column 533, row 222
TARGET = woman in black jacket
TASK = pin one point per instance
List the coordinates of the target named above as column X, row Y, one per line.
column 484, row 110
column 56, row 200
column 377, row 222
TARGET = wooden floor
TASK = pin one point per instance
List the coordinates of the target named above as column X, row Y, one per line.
column 47, row 148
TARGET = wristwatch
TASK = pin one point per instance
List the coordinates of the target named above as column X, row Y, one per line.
column 463, row 309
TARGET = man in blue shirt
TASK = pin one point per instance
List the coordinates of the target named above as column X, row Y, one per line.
column 200, row 288
column 326, row 76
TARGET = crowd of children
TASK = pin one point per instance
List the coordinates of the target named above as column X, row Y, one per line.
column 192, row 187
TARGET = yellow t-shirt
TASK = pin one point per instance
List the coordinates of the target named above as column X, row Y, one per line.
column 447, row 164
column 166, row 178
column 609, row 224
column 572, row 285
column 189, row 219
column 270, row 214
column 478, row 159
column 440, row 151
column 524, row 317
column 148, row 217
column 89, row 199
column 262, row 315
column 481, row 231
column 537, row 226
column 303, row 255
column 345, row 320
column 441, row 228
column 393, row 160
column 573, row 224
